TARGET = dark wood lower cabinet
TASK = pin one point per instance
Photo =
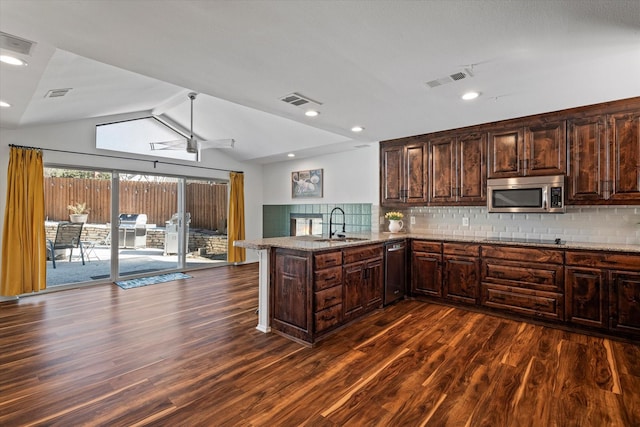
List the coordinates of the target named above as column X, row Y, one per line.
column 363, row 280
column 523, row 280
column 313, row 293
column 291, row 293
column 461, row 279
column 603, row 291
column 353, row 294
column 426, row 268
column 586, row 297
column 461, row 273
column 624, row 301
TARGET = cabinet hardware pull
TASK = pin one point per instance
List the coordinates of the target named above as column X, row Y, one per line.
column 327, row 299
column 331, row 278
column 328, row 317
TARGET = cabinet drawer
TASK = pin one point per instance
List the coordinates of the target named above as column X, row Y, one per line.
column 328, row 318
column 327, row 278
column 463, row 249
column 542, row 277
column 328, row 259
column 362, row 253
column 328, row 297
column 548, row 305
column 425, row 246
column 552, row 256
column 604, row 260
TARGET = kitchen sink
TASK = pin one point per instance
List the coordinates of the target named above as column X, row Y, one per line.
column 334, row 239
column 342, row 239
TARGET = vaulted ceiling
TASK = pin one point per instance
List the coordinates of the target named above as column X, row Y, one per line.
column 366, row 62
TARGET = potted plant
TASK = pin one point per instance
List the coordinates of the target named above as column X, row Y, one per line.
column 79, row 212
column 395, row 221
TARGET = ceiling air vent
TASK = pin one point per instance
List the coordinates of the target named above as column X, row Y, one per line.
column 299, row 100
column 460, row 75
column 57, row 93
column 15, row 44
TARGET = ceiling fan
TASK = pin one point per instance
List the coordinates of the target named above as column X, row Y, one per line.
column 190, row 143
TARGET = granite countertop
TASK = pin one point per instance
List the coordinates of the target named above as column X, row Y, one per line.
column 316, row 243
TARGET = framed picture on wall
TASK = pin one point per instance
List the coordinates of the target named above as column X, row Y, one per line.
column 306, row 184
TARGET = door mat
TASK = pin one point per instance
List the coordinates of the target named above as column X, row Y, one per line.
column 126, row 273
column 145, row 281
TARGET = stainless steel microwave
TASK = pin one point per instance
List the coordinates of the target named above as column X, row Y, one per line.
column 531, row 194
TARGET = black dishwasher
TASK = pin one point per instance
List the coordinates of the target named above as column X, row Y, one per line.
column 395, row 271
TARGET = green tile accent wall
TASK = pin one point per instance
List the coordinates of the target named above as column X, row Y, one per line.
column 275, row 218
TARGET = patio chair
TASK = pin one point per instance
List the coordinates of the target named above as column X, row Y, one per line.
column 67, row 237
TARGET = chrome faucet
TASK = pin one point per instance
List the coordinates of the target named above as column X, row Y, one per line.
column 344, row 224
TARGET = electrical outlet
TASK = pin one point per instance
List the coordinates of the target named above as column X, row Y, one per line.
column 381, row 220
column 465, row 222
column 413, row 220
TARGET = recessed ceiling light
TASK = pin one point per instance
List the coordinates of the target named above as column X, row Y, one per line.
column 4, row 104
column 357, row 129
column 291, row 155
column 311, row 113
column 470, row 95
column 12, row 60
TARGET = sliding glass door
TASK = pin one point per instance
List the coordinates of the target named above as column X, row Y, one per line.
column 84, row 197
column 137, row 224
column 148, row 224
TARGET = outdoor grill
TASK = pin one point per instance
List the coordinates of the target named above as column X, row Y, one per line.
column 171, row 233
column 132, row 230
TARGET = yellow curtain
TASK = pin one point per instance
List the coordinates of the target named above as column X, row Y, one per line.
column 24, row 256
column 236, row 217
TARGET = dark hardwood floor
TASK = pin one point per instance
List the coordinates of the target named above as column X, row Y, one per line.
column 187, row 353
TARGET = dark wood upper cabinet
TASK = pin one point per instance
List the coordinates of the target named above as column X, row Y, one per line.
column 457, row 170
column 391, row 182
column 624, row 154
column 403, row 176
column 597, row 147
column 506, row 153
column 471, row 168
column 546, row 148
column 532, row 149
column 604, row 159
column 442, row 166
column 587, row 173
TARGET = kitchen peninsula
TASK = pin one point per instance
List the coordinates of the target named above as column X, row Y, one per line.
column 310, row 286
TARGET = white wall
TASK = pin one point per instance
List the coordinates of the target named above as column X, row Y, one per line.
column 349, row 177
column 79, row 136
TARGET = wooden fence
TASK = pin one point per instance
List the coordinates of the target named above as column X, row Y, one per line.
column 206, row 202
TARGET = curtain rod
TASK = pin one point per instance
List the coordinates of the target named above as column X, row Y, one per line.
column 155, row 162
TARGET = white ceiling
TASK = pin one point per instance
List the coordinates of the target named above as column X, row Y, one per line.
column 366, row 62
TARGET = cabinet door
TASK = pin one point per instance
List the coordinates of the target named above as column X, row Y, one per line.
column 587, row 160
column 545, row 149
column 506, row 153
column 586, row 297
column 415, row 174
column 624, row 301
column 471, row 168
column 426, row 274
column 353, row 288
column 373, row 284
column 461, row 279
column 291, row 294
column 391, row 183
column 624, row 157
column 442, row 171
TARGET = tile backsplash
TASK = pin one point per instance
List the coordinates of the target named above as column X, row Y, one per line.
column 275, row 218
column 593, row 224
